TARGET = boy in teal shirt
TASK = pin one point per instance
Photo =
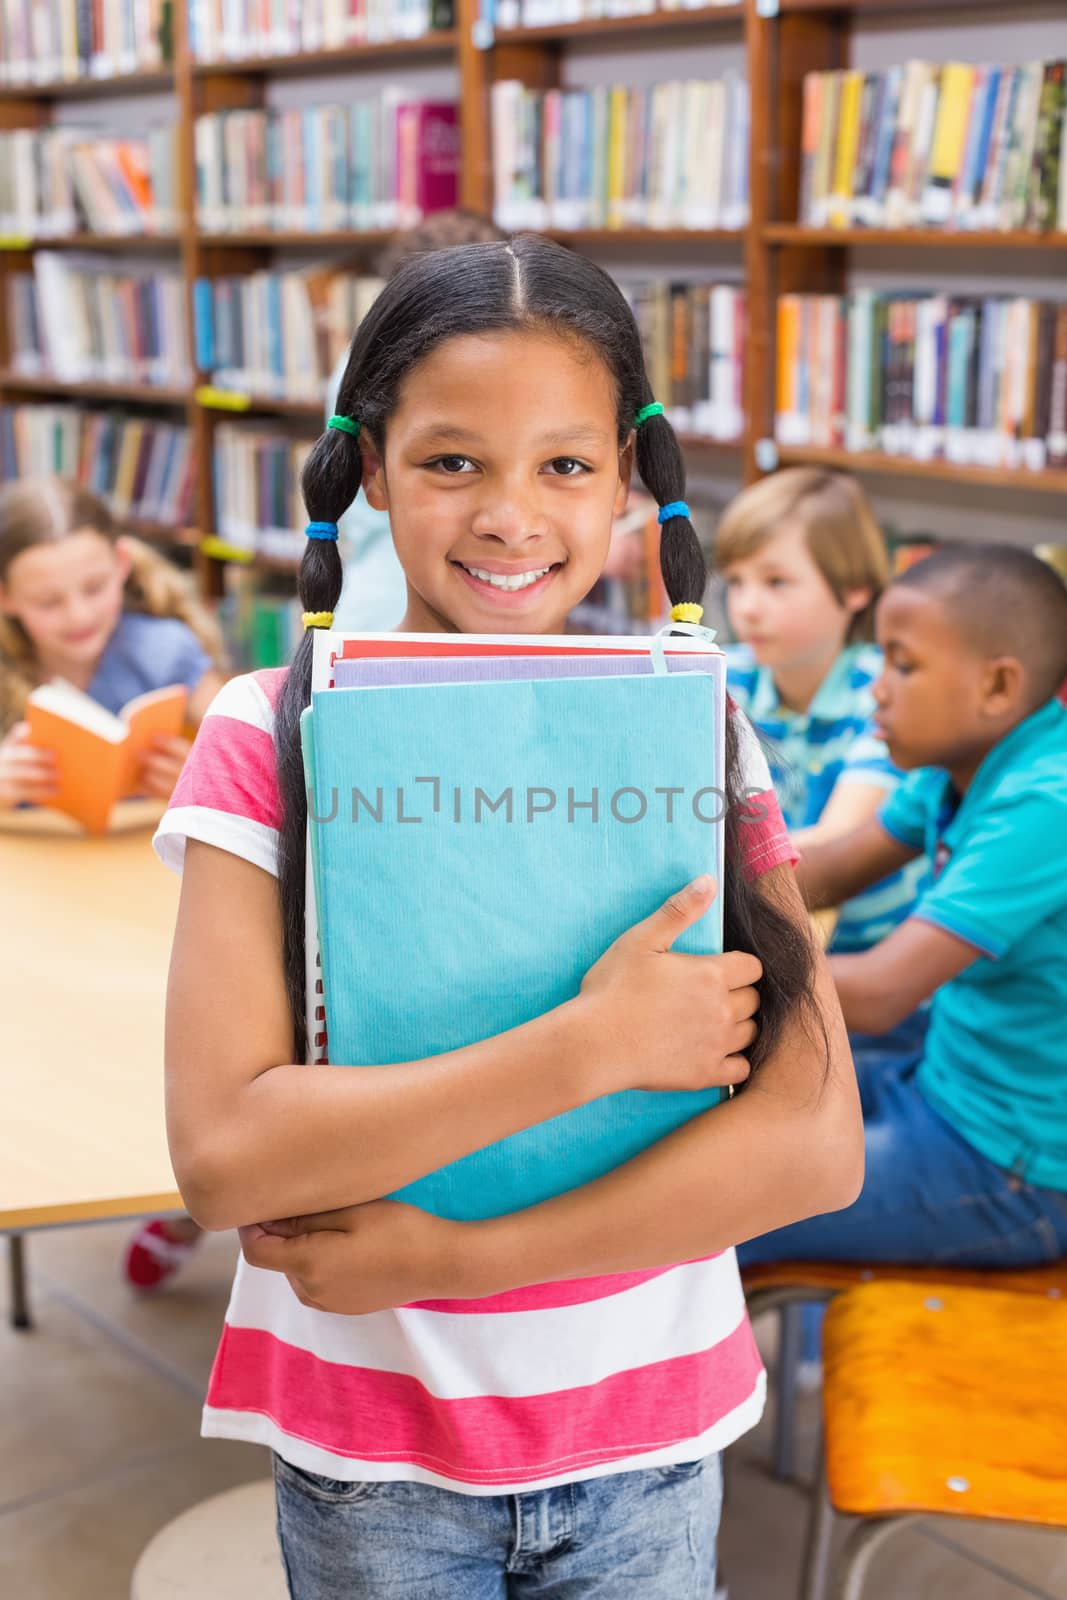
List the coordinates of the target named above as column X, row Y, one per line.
column 967, row 1140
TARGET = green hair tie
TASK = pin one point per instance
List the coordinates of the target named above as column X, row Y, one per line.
column 345, row 425
column 653, row 410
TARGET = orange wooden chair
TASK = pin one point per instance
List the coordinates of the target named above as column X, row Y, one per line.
column 785, row 1286
column 938, row 1401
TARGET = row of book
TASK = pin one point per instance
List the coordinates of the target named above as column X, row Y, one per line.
column 932, row 145
column 79, row 319
column 58, row 181
column 278, row 333
column 258, row 508
column 694, row 336
column 45, row 41
column 143, row 469
column 671, row 156
column 240, row 30
column 979, row 382
column 376, row 163
column 553, row 13
column 260, row 617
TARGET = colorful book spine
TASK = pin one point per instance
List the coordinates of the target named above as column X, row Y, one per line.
column 673, row 155
column 974, row 381
column 142, row 468
column 927, row 145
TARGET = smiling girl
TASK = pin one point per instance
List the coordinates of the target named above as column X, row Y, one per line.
column 81, row 602
column 536, row 1404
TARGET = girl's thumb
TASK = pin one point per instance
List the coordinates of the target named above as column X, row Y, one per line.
column 680, row 911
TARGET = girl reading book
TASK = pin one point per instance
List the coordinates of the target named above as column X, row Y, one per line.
column 83, row 603
column 534, row 1404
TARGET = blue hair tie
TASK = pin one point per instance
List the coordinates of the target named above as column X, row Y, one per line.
column 321, row 530
column 676, row 508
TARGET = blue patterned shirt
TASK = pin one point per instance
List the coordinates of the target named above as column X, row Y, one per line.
column 811, row 752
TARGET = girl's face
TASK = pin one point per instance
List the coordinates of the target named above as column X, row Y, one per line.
column 501, row 475
column 68, row 596
column 780, row 604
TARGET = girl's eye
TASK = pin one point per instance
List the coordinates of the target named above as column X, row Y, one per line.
column 454, row 466
column 568, row 467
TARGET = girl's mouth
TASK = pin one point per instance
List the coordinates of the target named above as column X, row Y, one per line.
column 508, row 589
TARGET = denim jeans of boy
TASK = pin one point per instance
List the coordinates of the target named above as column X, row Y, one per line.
column 646, row 1535
column 929, row 1197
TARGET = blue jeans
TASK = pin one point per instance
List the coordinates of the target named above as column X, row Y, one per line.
column 646, row 1535
column 929, row 1197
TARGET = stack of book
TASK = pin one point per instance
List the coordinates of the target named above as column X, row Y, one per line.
column 258, row 508
column 373, row 164
column 58, row 181
column 671, row 156
column 554, row 13
column 693, row 336
column 979, row 382
column 80, row 320
column 52, row 40
column 524, row 739
column 142, row 469
column 929, row 145
column 270, row 334
column 238, row 30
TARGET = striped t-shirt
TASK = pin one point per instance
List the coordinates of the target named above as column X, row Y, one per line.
column 812, row 751
column 514, row 1392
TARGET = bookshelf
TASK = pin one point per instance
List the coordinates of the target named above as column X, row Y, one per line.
column 773, row 255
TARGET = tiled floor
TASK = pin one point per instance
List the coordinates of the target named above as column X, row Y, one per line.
column 99, row 1432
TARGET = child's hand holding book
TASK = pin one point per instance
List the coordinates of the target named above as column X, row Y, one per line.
column 28, row 775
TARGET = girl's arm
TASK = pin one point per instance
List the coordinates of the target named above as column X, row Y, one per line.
column 833, row 869
column 253, row 1136
column 790, row 1147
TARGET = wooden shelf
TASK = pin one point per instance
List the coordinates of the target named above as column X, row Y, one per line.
column 701, row 442
column 783, row 233
column 1052, row 481
column 91, row 88
column 441, row 42
column 92, row 390
column 278, row 239
column 888, row 7
column 658, row 236
column 96, row 241
column 236, row 402
column 598, row 28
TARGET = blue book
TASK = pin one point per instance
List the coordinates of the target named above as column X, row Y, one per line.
column 465, row 882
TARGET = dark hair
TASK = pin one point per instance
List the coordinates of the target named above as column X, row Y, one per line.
column 530, row 284
column 1004, row 601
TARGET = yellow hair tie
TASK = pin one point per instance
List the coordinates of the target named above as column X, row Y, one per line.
column 686, row 612
column 318, row 619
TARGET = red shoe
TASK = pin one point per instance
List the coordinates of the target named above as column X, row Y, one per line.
column 152, row 1256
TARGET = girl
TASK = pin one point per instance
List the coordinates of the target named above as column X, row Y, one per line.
column 81, row 602
column 533, row 1405
column 111, row 616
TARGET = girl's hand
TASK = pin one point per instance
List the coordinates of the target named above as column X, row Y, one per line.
column 162, row 765
column 363, row 1258
column 28, row 775
column 668, row 1020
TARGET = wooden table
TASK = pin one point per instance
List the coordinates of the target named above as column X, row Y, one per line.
column 85, row 935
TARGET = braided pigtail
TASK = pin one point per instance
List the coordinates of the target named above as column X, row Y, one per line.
column 330, row 482
column 751, row 922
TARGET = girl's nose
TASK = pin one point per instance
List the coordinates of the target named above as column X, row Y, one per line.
column 510, row 523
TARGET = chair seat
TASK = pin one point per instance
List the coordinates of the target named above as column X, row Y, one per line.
column 833, row 1276
column 224, row 1548
column 952, row 1402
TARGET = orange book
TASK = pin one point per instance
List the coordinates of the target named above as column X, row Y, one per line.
column 98, row 754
